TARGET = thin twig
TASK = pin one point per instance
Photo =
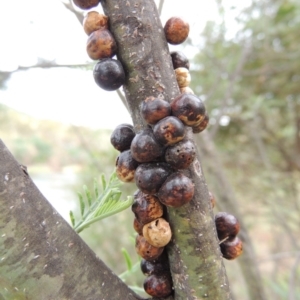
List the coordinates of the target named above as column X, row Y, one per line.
column 160, row 6
column 123, row 99
column 44, row 65
column 70, row 7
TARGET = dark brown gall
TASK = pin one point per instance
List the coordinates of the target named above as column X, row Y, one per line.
column 86, row 4
column 202, row 125
column 179, row 60
column 158, row 266
column 109, row 74
column 158, row 286
column 145, row 148
column 154, row 109
column 149, row 177
column 146, row 208
column 181, row 155
column 177, row 190
column 122, row 137
column 227, row 225
column 189, row 109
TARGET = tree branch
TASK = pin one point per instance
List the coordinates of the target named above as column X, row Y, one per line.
column 41, row 256
column 196, row 263
column 70, row 7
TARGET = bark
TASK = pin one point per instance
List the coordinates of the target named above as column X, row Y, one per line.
column 196, row 262
column 41, row 256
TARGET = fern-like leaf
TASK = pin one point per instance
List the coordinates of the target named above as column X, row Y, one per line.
column 127, row 259
column 72, row 218
column 81, row 204
column 103, row 205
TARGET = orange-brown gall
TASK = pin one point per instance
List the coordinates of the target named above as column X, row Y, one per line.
column 176, row 30
column 169, row 130
column 146, row 208
column 94, row 21
column 101, row 44
column 232, row 249
column 126, row 166
column 137, row 226
column 86, row 4
column 146, row 250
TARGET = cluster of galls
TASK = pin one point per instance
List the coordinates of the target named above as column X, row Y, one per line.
column 228, row 227
column 155, row 159
column 101, row 45
column 108, row 72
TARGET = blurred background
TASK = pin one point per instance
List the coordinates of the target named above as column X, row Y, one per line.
column 245, row 64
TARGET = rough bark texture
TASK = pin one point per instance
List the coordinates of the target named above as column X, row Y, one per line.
column 196, row 263
column 41, row 256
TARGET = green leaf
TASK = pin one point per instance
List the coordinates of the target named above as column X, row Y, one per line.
column 96, row 190
column 81, row 202
column 72, row 218
column 127, row 259
column 103, row 182
column 88, row 195
column 106, row 204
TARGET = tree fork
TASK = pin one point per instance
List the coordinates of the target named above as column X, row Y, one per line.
column 196, row 262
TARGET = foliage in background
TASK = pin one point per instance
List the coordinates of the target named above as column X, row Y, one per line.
column 251, row 84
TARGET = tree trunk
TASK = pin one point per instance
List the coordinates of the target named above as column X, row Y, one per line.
column 41, row 256
column 196, row 262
